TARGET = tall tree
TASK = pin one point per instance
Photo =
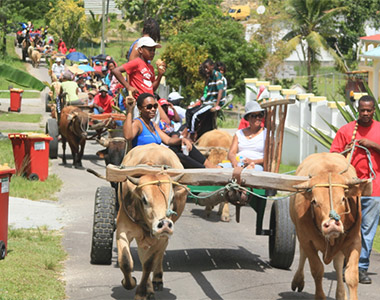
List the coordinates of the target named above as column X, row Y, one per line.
column 211, row 36
column 312, row 21
column 351, row 26
column 67, row 20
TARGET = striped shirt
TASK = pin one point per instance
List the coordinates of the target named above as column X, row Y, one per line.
column 215, row 84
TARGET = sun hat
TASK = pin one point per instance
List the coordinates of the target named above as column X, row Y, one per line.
column 103, row 88
column 147, row 42
column 163, row 101
column 92, row 92
column 174, row 96
column 75, row 70
column 251, row 107
column 58, row 59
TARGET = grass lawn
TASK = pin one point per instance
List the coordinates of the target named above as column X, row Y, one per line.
column 21, row 187
column 376, row 242
column 34, row 265
column 25, row 94
column 16, row 117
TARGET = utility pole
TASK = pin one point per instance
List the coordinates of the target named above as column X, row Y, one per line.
column 103, row 25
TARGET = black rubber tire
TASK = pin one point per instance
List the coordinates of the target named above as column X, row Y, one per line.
column 282, row 240
column 24, row 54
column 104, row 226
column 53, row 131
column 33, row 177
column 3, row 250
column 47, row 101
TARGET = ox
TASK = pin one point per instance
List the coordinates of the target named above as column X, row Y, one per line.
column 327, row 217
column 220, row 142
column 73, row 124
column 149, row 207
column 35, row 56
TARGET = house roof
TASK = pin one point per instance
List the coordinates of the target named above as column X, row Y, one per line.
column 374, row 53
column 371, row 38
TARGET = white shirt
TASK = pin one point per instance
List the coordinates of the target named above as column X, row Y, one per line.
column 58, row 69
column 251, row 148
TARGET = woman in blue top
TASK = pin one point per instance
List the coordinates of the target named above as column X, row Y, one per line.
column 142, row 131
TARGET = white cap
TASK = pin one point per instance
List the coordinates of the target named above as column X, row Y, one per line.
column 147, row 42
column 174, row 96
column 58, row 59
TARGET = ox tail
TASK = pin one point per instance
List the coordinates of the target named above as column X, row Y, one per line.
column 96, row 173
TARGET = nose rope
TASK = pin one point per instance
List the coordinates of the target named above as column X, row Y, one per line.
column 169, row 211
column 333, row 214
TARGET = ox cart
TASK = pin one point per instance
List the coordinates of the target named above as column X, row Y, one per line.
column 217, row 183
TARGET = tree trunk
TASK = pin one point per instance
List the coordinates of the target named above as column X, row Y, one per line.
column 309, row 79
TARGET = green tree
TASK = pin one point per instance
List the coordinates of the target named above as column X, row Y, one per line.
column 351, row 26
column 93, row 29
column 210, row 36
column 312, row 21
column 67, row 20
column 137, row 10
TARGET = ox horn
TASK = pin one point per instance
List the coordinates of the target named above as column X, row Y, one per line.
column 302, row 186
column 355, row 181
column 134, row 180
column 177, row 178
column 103, row 141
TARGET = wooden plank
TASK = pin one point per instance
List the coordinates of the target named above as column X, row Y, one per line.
column 249, row 177
column 277, row 102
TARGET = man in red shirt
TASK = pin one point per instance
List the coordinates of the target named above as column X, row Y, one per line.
column 102, row 101
column 364, row 132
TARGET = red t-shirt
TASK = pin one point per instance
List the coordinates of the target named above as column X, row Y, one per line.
column 359, row 157
column 105, row 103
column 141, row 75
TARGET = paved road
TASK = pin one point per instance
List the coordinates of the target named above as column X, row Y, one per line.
column 205, row 259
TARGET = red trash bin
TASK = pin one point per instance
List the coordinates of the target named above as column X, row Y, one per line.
column 5, row 178
column 19, row 153
column 16, row 96
column 37, row 149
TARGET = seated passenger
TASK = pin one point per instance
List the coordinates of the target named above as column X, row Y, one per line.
column 247, row 148
column 102, row 101
column 142, row 131
column 171, row 113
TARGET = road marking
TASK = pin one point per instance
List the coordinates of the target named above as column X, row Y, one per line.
column 238, row 265
column 214, row 263
column 208, row 253
column 187, row 255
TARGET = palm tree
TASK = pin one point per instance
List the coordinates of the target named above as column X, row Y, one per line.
column 312, row 21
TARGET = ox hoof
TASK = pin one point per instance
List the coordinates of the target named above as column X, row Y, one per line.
column 298, row 285
column 151, row 296
column 129, row 286
column 225, row 218
column 158, row 286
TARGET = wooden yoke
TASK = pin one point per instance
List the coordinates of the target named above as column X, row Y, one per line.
column 275, row 132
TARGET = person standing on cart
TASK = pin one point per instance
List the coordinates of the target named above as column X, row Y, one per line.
column 364, row 132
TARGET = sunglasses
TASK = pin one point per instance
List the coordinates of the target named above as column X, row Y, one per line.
column 150, row 106
column 259, row 115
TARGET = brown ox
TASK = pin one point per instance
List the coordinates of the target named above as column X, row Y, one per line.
column 72, row 127
column 145, row 215
column 221, row 140
column 327, row 217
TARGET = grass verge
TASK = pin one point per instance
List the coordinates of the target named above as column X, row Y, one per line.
column 24, row 188
column 16, row 117
column 376, row 242
column 33, row 267
column 25, row 94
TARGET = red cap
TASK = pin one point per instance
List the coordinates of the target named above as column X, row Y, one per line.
column 163, row 101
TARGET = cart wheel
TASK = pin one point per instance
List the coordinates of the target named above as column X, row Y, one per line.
column 9, row 109
column 52, row 130
column 47, row 102
column 282, row 241
column 33, row 176
column 104, row 226
column 3, row 250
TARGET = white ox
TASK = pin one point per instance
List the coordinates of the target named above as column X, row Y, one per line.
column 149, row 207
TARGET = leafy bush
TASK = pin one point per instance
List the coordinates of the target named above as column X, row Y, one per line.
column 215, row 37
